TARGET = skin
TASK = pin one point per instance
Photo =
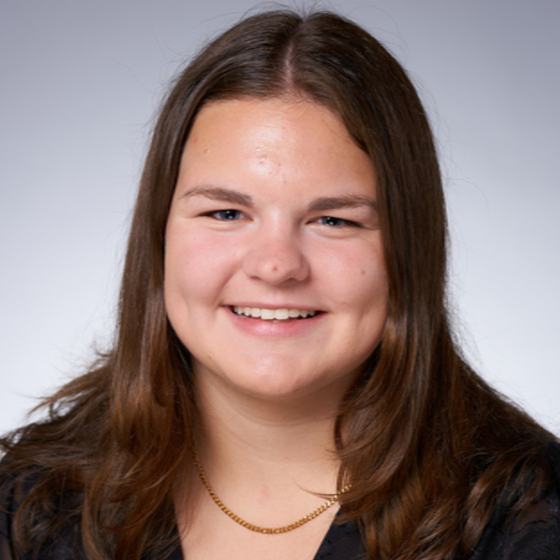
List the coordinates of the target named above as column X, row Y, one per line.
column 274, row 208
column 250, row 226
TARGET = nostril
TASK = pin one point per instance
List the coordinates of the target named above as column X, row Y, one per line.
column 276, row 265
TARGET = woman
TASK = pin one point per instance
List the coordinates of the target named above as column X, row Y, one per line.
column 284, row 382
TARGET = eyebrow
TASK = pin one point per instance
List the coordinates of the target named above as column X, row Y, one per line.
column 337, row 202
column 219, row 193
column 317, row 205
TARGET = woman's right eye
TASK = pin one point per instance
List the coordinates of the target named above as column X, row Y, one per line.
column 226, row 215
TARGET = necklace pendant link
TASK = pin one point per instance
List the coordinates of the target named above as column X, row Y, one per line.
column 265, row 530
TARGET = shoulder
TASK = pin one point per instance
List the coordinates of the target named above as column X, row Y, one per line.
column 13, row 491
column 45, row 522
column 534, row 532
column 9, row 497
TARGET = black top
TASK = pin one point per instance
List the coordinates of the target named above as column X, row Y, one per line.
column 533, row 534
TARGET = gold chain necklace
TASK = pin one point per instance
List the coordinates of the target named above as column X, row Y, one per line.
column 266, row 530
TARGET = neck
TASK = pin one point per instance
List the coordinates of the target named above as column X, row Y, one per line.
column 270, row 462
column 268, row 442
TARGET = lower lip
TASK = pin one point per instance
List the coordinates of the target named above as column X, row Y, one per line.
column 260, row 327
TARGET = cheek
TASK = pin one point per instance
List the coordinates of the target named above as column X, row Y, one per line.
column 358, row 275
column 194, row 267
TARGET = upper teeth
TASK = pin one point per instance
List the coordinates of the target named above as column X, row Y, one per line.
column 273, row 314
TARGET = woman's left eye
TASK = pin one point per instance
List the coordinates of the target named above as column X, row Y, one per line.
column 331, row 221
column 227, row 215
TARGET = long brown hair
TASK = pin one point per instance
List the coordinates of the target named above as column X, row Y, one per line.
column 429, row 447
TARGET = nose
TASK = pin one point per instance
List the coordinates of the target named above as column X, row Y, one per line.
column 275, row 257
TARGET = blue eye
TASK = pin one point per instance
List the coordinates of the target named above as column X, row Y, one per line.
column 227, row 215
column 331, row 221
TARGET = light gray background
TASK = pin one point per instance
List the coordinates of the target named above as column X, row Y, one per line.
column 81, row 80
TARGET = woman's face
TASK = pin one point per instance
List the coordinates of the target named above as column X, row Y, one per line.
column 275, row 279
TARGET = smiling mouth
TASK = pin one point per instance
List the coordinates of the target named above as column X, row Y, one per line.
column 273, row 314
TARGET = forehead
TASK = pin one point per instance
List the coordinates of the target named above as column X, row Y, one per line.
column 273, row 119
column 286, row 139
